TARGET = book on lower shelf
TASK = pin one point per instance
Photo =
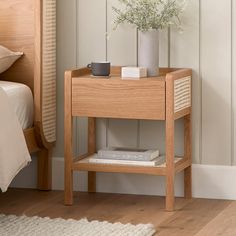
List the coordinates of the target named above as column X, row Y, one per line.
column 155, row 162
column 134, row 154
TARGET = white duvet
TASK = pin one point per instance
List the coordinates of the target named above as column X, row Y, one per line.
column 14, row 154
column 20, row 96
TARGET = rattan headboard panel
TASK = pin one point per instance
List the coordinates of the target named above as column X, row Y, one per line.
column 30, row 26
column 49, row 70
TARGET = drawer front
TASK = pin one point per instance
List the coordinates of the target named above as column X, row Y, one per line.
column 115, row 98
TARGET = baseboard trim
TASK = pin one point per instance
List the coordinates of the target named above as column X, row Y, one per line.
column 214, row 182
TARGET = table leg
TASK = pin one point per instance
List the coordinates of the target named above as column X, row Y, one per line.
column 170, row 171
column 68, row 140
column 170, row 131
column 92, row 182
column 91, row 150
column 187, row 155
column 68, row 191
column 188, row 182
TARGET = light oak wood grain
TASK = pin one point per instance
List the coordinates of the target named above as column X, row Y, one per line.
column 44, row 169
column 182, row 113
column 234, row 74
column 68, row 147
column 192, row 217
column 91, row 150
column 31, row 140
column 170, row 128
column 147, row 98
column 188, row 156
column 21, row 30
column 17, row 34
column 85, row 165
column 45, row 154
column 116, row 98
column 222, row 224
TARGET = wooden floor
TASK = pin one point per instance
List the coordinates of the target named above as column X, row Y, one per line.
column 192, row 217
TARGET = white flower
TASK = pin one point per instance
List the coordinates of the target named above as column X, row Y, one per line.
column 149, row 14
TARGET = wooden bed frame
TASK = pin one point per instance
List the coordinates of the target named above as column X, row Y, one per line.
column 27, row 25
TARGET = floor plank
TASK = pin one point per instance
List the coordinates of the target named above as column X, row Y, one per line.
column 224, row 224
column 191, row 217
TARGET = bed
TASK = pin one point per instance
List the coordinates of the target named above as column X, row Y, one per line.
column 21, row 98
column 29, row 26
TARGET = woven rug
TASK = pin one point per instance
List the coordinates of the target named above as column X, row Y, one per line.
column 11, row 225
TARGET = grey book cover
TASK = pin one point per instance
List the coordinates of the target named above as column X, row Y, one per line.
column 117, row 153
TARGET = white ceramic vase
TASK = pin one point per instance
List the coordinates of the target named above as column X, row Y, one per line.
column 148, row 51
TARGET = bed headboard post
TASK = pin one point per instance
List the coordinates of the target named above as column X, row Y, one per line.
column 30, row 26
column 45, row 68
column 38, row 60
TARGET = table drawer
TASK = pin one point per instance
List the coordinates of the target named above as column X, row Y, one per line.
column 116, row 98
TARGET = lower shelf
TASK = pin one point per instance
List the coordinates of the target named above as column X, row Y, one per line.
column 83, row 164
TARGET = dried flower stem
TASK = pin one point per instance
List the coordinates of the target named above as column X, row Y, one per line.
column 149, row 14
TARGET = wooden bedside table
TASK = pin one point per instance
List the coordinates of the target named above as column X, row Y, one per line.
column 167, row 97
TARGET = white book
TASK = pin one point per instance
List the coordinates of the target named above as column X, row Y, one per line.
column 128, row 154
column 157, row 161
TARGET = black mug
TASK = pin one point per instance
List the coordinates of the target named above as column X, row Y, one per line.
column 100, row 68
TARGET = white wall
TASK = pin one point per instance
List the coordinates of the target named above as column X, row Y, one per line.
column 206, row 46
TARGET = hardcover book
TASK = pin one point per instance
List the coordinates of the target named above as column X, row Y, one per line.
column 155, row 162
column 115, row 153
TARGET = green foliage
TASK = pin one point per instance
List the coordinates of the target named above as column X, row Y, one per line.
column 149, row 14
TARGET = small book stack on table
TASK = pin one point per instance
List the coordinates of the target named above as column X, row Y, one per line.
column 128, row 156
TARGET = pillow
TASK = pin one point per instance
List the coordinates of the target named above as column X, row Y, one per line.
column 7, row 58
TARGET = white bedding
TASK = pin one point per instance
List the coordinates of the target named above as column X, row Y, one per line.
column 20, row 96
column 14, row 154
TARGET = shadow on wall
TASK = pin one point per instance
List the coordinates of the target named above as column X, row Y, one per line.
column 143, row 134
column 216, row 125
